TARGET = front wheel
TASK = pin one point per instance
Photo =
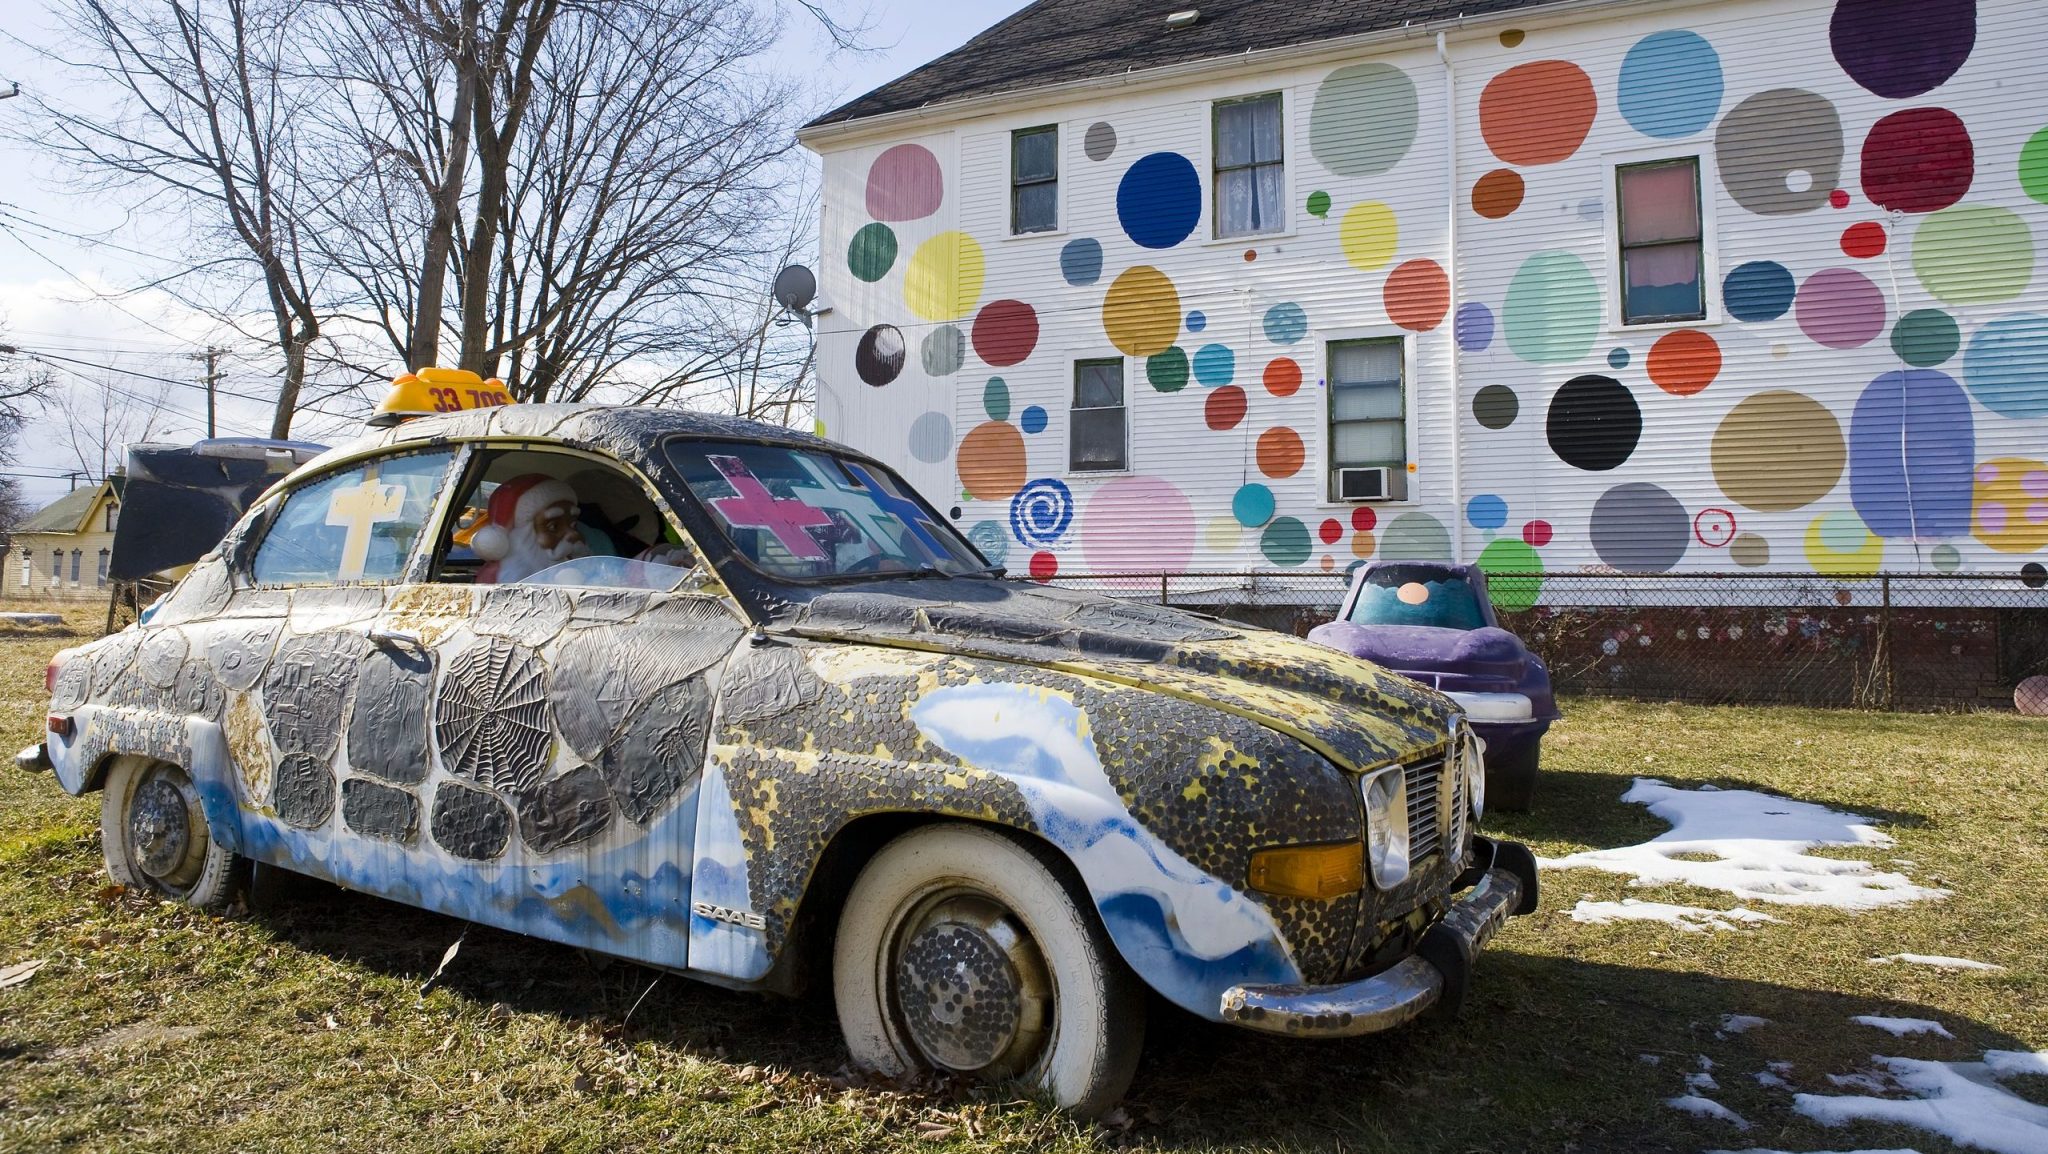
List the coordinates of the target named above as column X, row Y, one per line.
column 155, row 836
column 963, row 951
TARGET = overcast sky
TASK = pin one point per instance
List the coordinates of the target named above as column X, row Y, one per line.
column 48, row 283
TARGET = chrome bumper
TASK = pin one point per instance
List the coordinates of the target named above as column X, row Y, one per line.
column 1436, row 974
column 34, row 759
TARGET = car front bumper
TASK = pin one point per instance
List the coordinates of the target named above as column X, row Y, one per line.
column 33, row 759
column 1503, row 885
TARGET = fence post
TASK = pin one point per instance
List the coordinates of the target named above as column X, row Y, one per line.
column 1884, row 642
column 1162, row 589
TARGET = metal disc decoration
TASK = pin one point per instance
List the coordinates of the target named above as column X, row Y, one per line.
column 568, row 809
column 238, row 652
column 306, row 691
column 203, row 593
column 491, row 717
column 161, row 656
column 600, row 675
column 195, row 693
column 302, row 791
column 74, row 681
column 111, row 660
column 378, row 810
column 470, row 823
column 527, row 614
column 387, row 725
column 660, row 749
column 607, row 607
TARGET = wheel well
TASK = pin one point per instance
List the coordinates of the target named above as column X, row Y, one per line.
column 97, row 778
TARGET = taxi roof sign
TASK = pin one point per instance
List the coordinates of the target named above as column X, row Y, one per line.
column 432, row 390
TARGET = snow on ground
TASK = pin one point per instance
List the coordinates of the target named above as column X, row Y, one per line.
column 1761, row 1150
column 1961, row 1101
column 1900, row 1027
column 1707, row 1108
column 1757, row 843
column 1691, row 919
column 1741, row 1023
column 1767, row 1078
column 1935, row 960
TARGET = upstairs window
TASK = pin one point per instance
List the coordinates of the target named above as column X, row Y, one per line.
column 1099, row 432
column 1034, row 180
column 1662, row 259
column 1368, row 414
column 113, row 515
column 1251, row 167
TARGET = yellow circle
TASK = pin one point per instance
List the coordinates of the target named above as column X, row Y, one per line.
column 1141, row 312
column 1860, row 559
column 1362, row 544
column 2006, row 516
column 943, row 282
column 1369, row 235
column 1222, row 534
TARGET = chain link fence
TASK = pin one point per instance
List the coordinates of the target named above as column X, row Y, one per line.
column 1885, row 641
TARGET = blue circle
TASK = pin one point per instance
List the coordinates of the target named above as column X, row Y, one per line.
column 1617, row 358
column 1670, row 84
column 1215, row 365
column 1486, row 511
column 1473, row 326
column 2006, row 366
column 988, row 537
column 1159, row 201
column 1041, row 512
column 1758, row 291
column 1081, row 261
column 1033, row 419
column 1197, row 321
column 1252, row 506
column 1285, row 323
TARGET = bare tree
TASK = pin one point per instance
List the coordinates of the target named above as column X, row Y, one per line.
column 93, row 421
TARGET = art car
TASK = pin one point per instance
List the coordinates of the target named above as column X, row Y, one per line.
column 735, row 702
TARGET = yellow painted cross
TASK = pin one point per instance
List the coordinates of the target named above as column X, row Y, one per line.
column 359, row 510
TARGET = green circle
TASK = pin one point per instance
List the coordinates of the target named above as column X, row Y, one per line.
column 1924, row 338
column 995, row 399
column 1750, row 550
column 1974, row 254
column 1285, row 542
column 1552, row 312
column 1415, row 537
column 2034, row 166
column 872, row 253
column 1363, row 119
column 1512, row 555
column 1168, row 371
column 1319, row 203
column 1948, row 558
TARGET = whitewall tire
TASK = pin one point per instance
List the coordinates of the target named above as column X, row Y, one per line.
column 154, row 835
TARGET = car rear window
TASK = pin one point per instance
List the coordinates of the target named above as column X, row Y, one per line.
column 1401, row 596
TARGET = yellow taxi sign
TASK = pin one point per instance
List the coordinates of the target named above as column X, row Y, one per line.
column 434, row 390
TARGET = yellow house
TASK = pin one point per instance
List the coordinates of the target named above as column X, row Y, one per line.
column 62, row 551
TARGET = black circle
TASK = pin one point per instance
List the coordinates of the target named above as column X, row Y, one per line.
column 2034, row 575
column 1594, row 423
column 1496, row 406
column 879, row 356
column 955, row 513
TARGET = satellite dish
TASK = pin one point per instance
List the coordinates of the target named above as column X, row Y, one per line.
column 795, row 288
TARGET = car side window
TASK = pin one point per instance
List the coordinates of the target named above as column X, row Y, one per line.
column 355, row 525
column 545, row 518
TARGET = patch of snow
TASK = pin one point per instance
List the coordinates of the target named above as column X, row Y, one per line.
column 1691, row 919
column 1761, row 1150
column 1650, row 1059
column 1766, row 1078
column 1900, row 1027
column 1701, row 1081
column 1960, row 1101
column 2007, row 1063
column 1780, row 1067
column 1707, row 1108
column 1758, row 843
column 1936, row 960
column 1869, row 1083
column 1741, row 1023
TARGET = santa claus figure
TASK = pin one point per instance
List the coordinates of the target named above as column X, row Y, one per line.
column 531, row 525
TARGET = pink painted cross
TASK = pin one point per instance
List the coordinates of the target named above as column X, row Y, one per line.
column 757, row 508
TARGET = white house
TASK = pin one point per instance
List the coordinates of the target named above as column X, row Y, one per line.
column 1282, row 284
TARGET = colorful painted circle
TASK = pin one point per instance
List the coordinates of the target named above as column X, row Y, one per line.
column 1713, row 527
column 1285, row 542
column 1498, row 194
column 872, row 253
column 878, row 358
column 988, row 537
column 1521, row 568
column 1285, row 323
column 1280, row 452
column 931, row 438
column 1538, row 533
column 1617, row 358
column 1910, row 448
column 1319, row 203
column 1081, row 261
column 1044, row 567
column 1974, row 254
column 1684, row 361
column 1670, row 84
column 991, row 461
column 1594, row 423
column 1780, row 151
column 1640, row 528
column 1777, row 450
column 1760, row 290
column 1838, row 545
column 1159, row 200
column 1750, row 550
column 1252, row 505
column 1197, row 321
column 2034, row 166
column 1168, row 370
column 1496, row 406
column 1041, row 512
column 1473, row 327
column 1368, row 234
column 943, row 352
column 1141, row 312
column 905, row 183
column 1538, row 112
column 1840, row 308
column 1902, row 48
column 1486, row 511
column 944, row 279
column 1947, row 558
column 1839, row 198
column 1924, row 338
column 1135, row 524
column 1864, row 240
column 1417, row 295
column 1215, row 365
column 2034, row 575
column 1918, row 160
column 2006, row 366
column 1363, row 119
column 1222, row 535
column 1415, row 537
column 1005, row 332
column 1362, row 546
column 1099, row 143
column 995, row 399
column 1032, row 419
column 1282, row 377
column 1330, row 531
column 1224, row 408
column 1552, row 314
column 1363, row 518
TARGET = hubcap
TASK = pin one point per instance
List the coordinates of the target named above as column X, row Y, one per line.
column 161, row 836
column 971, row 985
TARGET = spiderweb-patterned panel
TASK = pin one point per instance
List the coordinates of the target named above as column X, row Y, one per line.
column 491, row 717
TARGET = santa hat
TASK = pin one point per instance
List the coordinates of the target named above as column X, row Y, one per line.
column 515, row 503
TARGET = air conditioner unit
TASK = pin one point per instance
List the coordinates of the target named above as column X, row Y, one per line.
column 1380, row 484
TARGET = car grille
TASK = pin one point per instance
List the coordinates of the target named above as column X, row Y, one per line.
column 1425, row 779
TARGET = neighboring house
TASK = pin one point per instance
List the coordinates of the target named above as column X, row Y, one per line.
column 1657, row 287
column 62, row 550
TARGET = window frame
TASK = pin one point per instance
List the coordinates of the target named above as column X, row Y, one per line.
column 1014, row 184
column 264, row 517
column 1075, row 362
column 1704, row 171
column 1327, row 452
column 1284, row 226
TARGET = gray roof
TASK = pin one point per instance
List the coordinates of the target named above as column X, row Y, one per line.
column 64, row 514
column 1055, row 41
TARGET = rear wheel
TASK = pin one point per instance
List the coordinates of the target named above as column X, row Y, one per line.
column 155, row 837
column 1511, row 779
column 964, row 952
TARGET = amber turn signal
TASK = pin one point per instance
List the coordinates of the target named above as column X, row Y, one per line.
column 1321, row 872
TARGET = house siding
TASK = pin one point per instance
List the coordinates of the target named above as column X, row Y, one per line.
column 91, row 543
column 1629, row 448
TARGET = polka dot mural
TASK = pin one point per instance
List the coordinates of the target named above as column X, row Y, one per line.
column 1215, row 365
column 2034, row 166
column 1368, row 235
column 1684, row 361
column 943, row 352
column 1415, row 537
column 1509, row 555
column 1924, row 338
column 905, row 183
column 1838, row 545
column 1486, row 511
column 872, row 253
column 1159, row 200
column 1044, row 567
column 1552, row 312
column 988, row 537
column 1005, row 332
column 1594, row 423
column 1760, row 290
column 1285, row 542
column 1617, row 358
column 1285, row 323
column 1222, row 535
column 1498, row 194
column 1473, row 327
column 1777, row 450
column 931, row 438
column 2011, row 505
column 1318, row 203
column 1840, row 308
column 1911, row 446
column 1282, row 377
column 1137, row 524
column 1280, row 452
column 1864, row 240
column 1750, row 550
column 1537, row 113
column 878, row 358
column 995, row 399
column 2006, row 366
column 1168, row 370
column 1670, row 84
column 1081, row 261
column 1197, row 321
column 1041, row 512
column 1417, row 295
column 1141, row 312
column 1496, row 406
column 1363, row 119
column 1902, row 48
column 1780, row 151
column 1032, row 420
column 991, row 461
column 1640, row 528
column 1918, row 160
column 1974, row 254
column 944, row 279
column 1252, row 505
column 1099, row 143
column 1224, row 408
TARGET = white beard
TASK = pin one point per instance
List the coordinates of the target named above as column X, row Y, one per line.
column 528, row 557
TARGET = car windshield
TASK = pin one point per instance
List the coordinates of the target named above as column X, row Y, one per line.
column 809, row 515
column 1417, row 595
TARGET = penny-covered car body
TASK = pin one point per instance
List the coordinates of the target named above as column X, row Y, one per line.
column 758, row 710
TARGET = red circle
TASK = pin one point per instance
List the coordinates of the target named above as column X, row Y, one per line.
column 1283, row 376
column 1363, row 519
column 1918, row 160
column 1224, row 408
column 1714, row 527
column 1417, row 295
column 1005, row 332
column 1251, row 254
column 1684, row 361
column 1537, row 533
column 1044, row 566
column 1330, row 531
column 1839, row 198
column 1864, row 240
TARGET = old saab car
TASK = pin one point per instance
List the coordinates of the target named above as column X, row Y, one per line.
column 735, row 702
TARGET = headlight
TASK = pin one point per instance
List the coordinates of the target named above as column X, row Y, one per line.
column 1386, row 825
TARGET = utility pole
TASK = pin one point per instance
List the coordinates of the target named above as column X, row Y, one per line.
column 212, row 357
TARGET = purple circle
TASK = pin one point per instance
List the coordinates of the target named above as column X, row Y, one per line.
column 1474, row 326
column 1902, row 48
column 905, row 183
column 1840, row 308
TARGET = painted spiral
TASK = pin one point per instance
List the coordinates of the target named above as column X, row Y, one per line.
column 1041, row 511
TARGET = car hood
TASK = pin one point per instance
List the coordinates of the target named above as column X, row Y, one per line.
column 1351, row 711
column 1483, row 652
